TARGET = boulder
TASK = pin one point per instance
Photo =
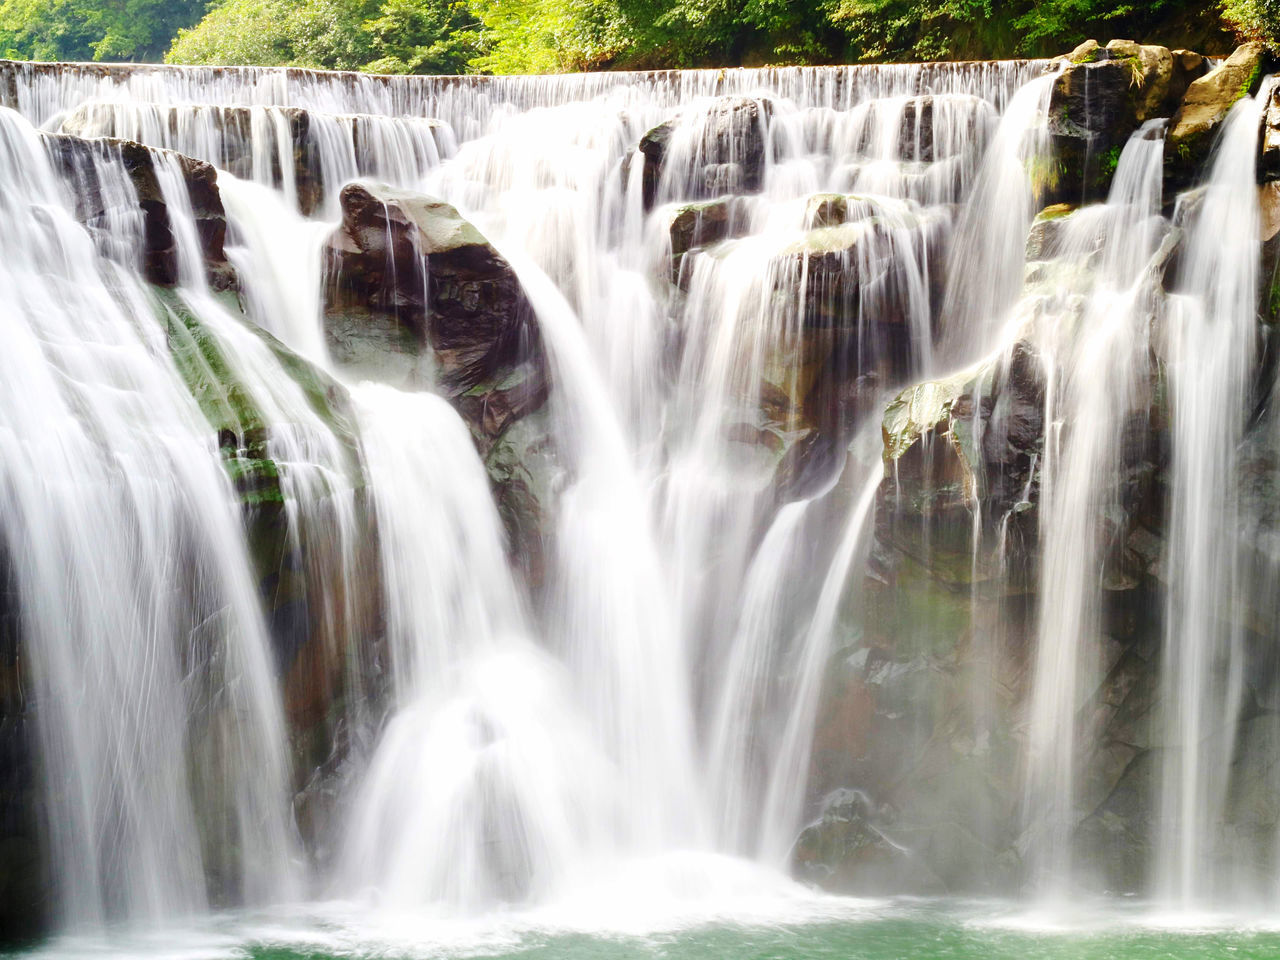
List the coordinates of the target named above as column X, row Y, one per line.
column 417, row 297
column 709, row 152
column 1044, row 241
column 429, row 281
column 1206, row 104
column 706, row 222
column 86, row 167
column 1100, row 97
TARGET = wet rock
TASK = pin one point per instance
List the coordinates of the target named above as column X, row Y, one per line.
column 1099, row 98
column 427, row 280
column 25, row 895
column 1044, row 240
column 973, row 439
column 704, row 223
column 418, row 298
column 1206, row 104
column 85, row 166
column 719, row 149
column 849, row 850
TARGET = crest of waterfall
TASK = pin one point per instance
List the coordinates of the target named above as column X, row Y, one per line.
column 161, row 727
column 1092, row 327
column 1212, row 341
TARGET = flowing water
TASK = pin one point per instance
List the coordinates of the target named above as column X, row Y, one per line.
column 626, row 747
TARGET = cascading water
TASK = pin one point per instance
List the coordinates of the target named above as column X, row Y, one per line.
column 163, row 740
column 1212, row 342
column 726, row 276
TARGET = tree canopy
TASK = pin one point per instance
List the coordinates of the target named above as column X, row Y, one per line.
column 540, row 36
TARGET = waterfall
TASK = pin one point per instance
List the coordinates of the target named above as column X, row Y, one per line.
column 1094, row 336
column 707, row 477
column 1212, row 342
column 161, row 727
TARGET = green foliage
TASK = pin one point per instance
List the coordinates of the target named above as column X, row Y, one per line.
column 387, row 36
column 92, row 29
column 1255, row 20
column 540, row 36
column 546, row 36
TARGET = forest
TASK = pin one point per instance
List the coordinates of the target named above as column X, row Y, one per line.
column 550, row 36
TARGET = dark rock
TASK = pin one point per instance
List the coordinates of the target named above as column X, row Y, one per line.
column 1101, row 97
column 704, row 223
column 718, row 150
column 25, row 893
column 418, row 298
column 849, row 850
column 84, row 166
column 437, row 284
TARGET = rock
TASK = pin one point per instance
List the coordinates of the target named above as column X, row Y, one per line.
column 704, row 223
column 958, row 118
column 1044, row 238
column 849, row 850
column 1101, row 97
column 941, row 460
column 86, row 165
column 418, row 298
column 25, row 907
column 435, row 282
column 712, row 151
column 1269, row 154
column 1206, row 104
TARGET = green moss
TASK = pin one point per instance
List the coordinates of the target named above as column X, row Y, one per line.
column 1046, row 173
column 1251, row 82
column 1109, row 163
column 1055, row 212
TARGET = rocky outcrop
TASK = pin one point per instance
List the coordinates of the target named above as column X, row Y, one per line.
column 94, row 172
column 417, row 297
column 1269, row 152
column 24, row 881
column 716, row 151
column 1207, row 102
column 1100, row 96
column 693, row 225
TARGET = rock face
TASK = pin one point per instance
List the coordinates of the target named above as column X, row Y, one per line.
column 24, row 885
column 1100, row 97
column 717, row 151
column 417, row 296
column 88, row 168
column 1207, row 102
column 1269, row 155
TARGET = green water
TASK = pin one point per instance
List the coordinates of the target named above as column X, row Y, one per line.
column 885, row 930
column 882, row 940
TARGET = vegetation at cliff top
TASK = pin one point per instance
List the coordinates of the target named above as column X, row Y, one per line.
column 536, row 36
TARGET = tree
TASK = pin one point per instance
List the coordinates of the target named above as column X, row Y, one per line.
column 92, row 29
column 388, row 36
